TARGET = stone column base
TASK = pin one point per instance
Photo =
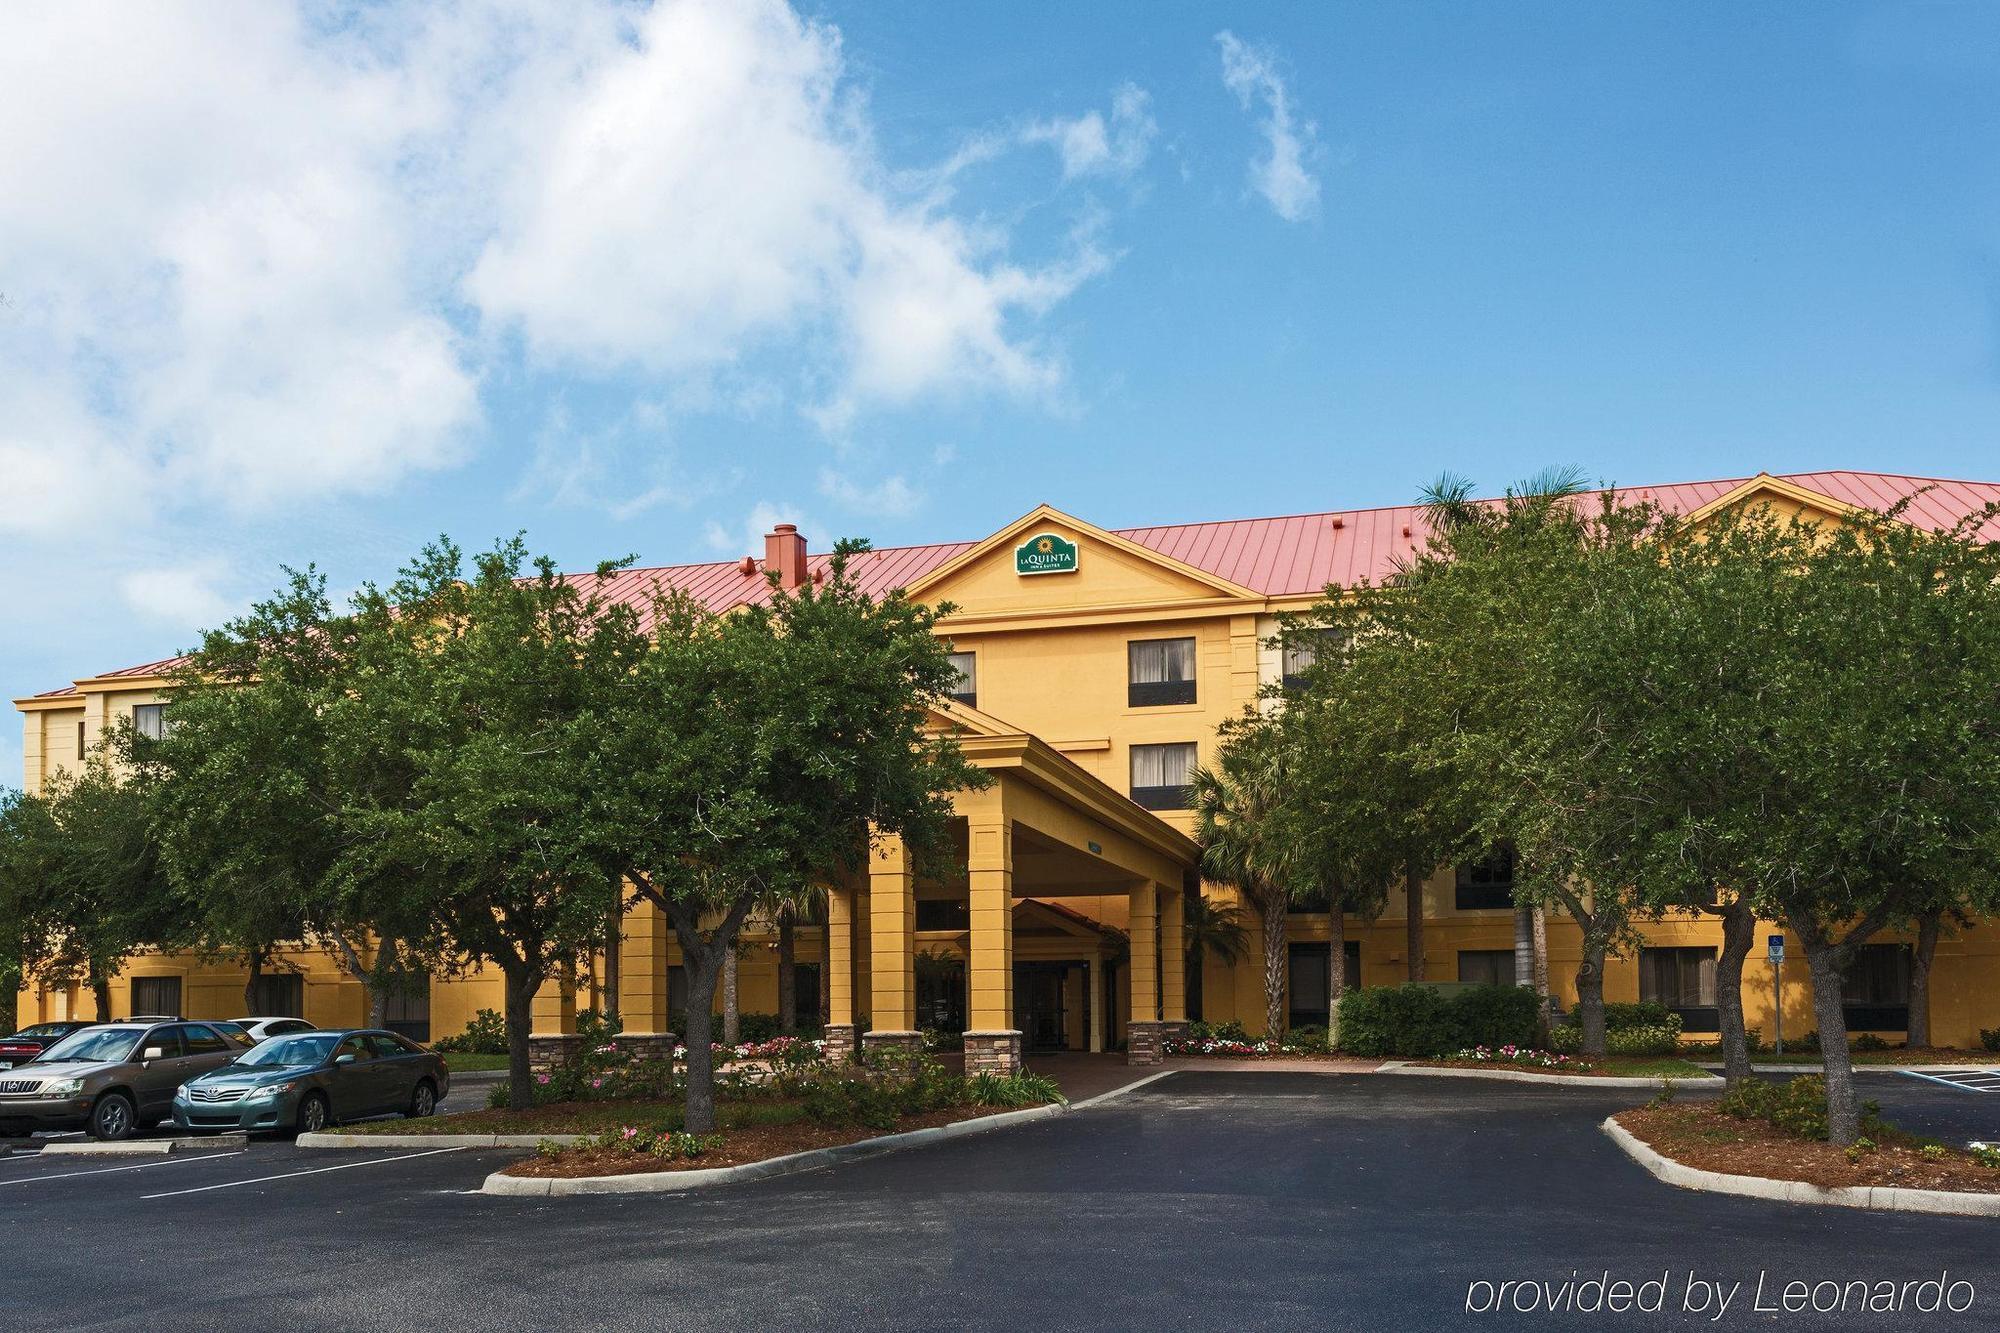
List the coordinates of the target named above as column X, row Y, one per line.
column 647, row 1045
column 1174, row 1029
column 995, row 1052
column 552, row 1050
column 837, row 1042
column 891, row 1041
column 1142, row 1043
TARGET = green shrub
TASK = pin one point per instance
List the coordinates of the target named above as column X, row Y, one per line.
column 1796, row 1107
column 1868, row 1041
column 486, row 1034
column 1022, row 1089
column 1311, row 1039
column 1990, row 1038
column 1409, row 1020
column 1233, row 1030
column 939, row 1039
column 1986, row 1155
column 1644, row 1014
column 1662, row 1036
column 1494, row 1016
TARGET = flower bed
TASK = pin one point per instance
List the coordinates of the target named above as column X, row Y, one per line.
column 1531, row 1060
column 1527, row 1057
column 1702, row 1135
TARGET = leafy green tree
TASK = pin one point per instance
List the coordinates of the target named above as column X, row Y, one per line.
column 26, row 842
column 762, row 749
column 1211, row 927
column 84, row 879
column 1233, row 803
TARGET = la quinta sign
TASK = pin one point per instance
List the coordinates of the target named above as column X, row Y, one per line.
column 1045, row 553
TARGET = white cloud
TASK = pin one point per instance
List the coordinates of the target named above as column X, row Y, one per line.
column 1280, row 173
column 892, row 497
column 182, row 596
column 1090, row 145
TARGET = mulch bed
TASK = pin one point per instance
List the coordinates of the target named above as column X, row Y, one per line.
column 739, row 1147
column 1700, row 1136
column 554, row 1118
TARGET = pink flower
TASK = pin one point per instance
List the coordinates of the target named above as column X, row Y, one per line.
column 541, row 1078
column 597, row 1083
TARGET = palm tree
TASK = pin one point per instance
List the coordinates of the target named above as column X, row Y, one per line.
column 1212, row 928
column 1232, row 804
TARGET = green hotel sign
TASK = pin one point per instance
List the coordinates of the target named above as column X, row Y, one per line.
column 1045, row 553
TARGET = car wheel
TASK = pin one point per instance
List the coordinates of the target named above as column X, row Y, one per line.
column 112, row 1118
column 312, row 1114
column 423, row 1101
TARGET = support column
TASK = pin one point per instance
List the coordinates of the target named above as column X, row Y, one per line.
column 1173, row 960
column 1093, row 979
column 552, row 1034
column 892, row 913
column 1142, row 1029
column 838, row 1035
column 642, row 973
column 992, row 1042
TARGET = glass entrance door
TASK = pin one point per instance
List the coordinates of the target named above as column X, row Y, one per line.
column 1038, row 1005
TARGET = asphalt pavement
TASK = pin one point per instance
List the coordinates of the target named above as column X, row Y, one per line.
column 1203, row 1200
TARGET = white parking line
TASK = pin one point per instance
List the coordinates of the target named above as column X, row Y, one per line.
column 288, row 1175
column 106, row 1170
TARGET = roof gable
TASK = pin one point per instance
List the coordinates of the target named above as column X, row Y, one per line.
column 1102, row 569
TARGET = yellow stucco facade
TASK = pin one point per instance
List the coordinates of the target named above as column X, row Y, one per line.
column 1061, row 930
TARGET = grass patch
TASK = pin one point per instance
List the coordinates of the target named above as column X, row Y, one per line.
column 463, row 1062
column 1945, row 1057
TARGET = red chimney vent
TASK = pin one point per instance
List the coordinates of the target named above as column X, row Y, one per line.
column 1340, row 523
column 1406, row 529
column 748, row 564
column 785, row 555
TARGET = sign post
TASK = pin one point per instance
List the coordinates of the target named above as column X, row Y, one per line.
column 1777, row 956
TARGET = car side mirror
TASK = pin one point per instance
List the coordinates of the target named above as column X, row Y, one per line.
column 151, row 1053
column 347, row 1059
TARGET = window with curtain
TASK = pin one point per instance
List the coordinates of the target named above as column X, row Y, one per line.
column 1306, row 985
column 1486, row 967
column 967, row 689
column 1160, row 671
column 1677, row 978
column 156, row 995
column 150, row 720
column 1302, row 651
column 279, row 994
column 1160, row 775
column 1876, row 993
column 409, row 1014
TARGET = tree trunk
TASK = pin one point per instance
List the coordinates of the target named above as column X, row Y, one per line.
column 10, row 997
column 1274, row 970
column 704, row 957
column 520, row 998
column 255, row 974
column 788, row 981
column 1921, row 958
column 732, row 1017
column 1543, row 1018
column 1524, row 944
column 1739, row 936
column 614, row 959
column 372, row 993
column 100, row 989
column 1590, row 996
column 1413, row 913
column 1843, row 1105
column 1336, row 973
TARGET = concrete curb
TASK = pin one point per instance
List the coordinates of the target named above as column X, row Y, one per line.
column 674, row 1182
column 1550, row 1080
column 1858, row 1068
column 149, row 1147
column 1881, row 1198
column 336, row 1139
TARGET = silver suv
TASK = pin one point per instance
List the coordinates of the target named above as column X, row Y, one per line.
column 113, row 1080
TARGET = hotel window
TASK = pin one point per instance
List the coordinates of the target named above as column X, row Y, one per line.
column 279, row 994
column 943, row 914
column 967, row 689
column 409, row 1013
column 157, row 995
column 1306, row 980
column 1302, row 651
column 1161, row 671
column 1486, row 967
column 1488, row 882
column 1160, row 775
column 1684, row 981
column 1876, row 994
column 150, row 720
column 79, row 745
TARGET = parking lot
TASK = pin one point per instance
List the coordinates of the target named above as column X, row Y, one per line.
column 1201, row 1200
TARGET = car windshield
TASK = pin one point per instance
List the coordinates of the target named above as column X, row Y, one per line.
column 107, row 1044
column 308, row 1049
column 44, row 1030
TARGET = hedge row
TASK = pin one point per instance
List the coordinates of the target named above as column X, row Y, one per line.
column 1421, row 1021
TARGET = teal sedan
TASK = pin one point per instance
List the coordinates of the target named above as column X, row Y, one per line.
column 309, row 1080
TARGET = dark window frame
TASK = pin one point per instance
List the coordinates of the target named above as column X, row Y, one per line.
column 1493, row 957
column 1160, row 797
column 1695, row 1015
column 1161, row 693
column 150, row 721
column 1477, row 886
column 968, row 697
column 292, row 985
column 178, row 985
column 1320, row 951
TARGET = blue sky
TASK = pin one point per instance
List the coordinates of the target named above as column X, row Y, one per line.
column 314, row 285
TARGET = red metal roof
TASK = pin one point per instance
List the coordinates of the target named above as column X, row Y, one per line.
column 1294, row 555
